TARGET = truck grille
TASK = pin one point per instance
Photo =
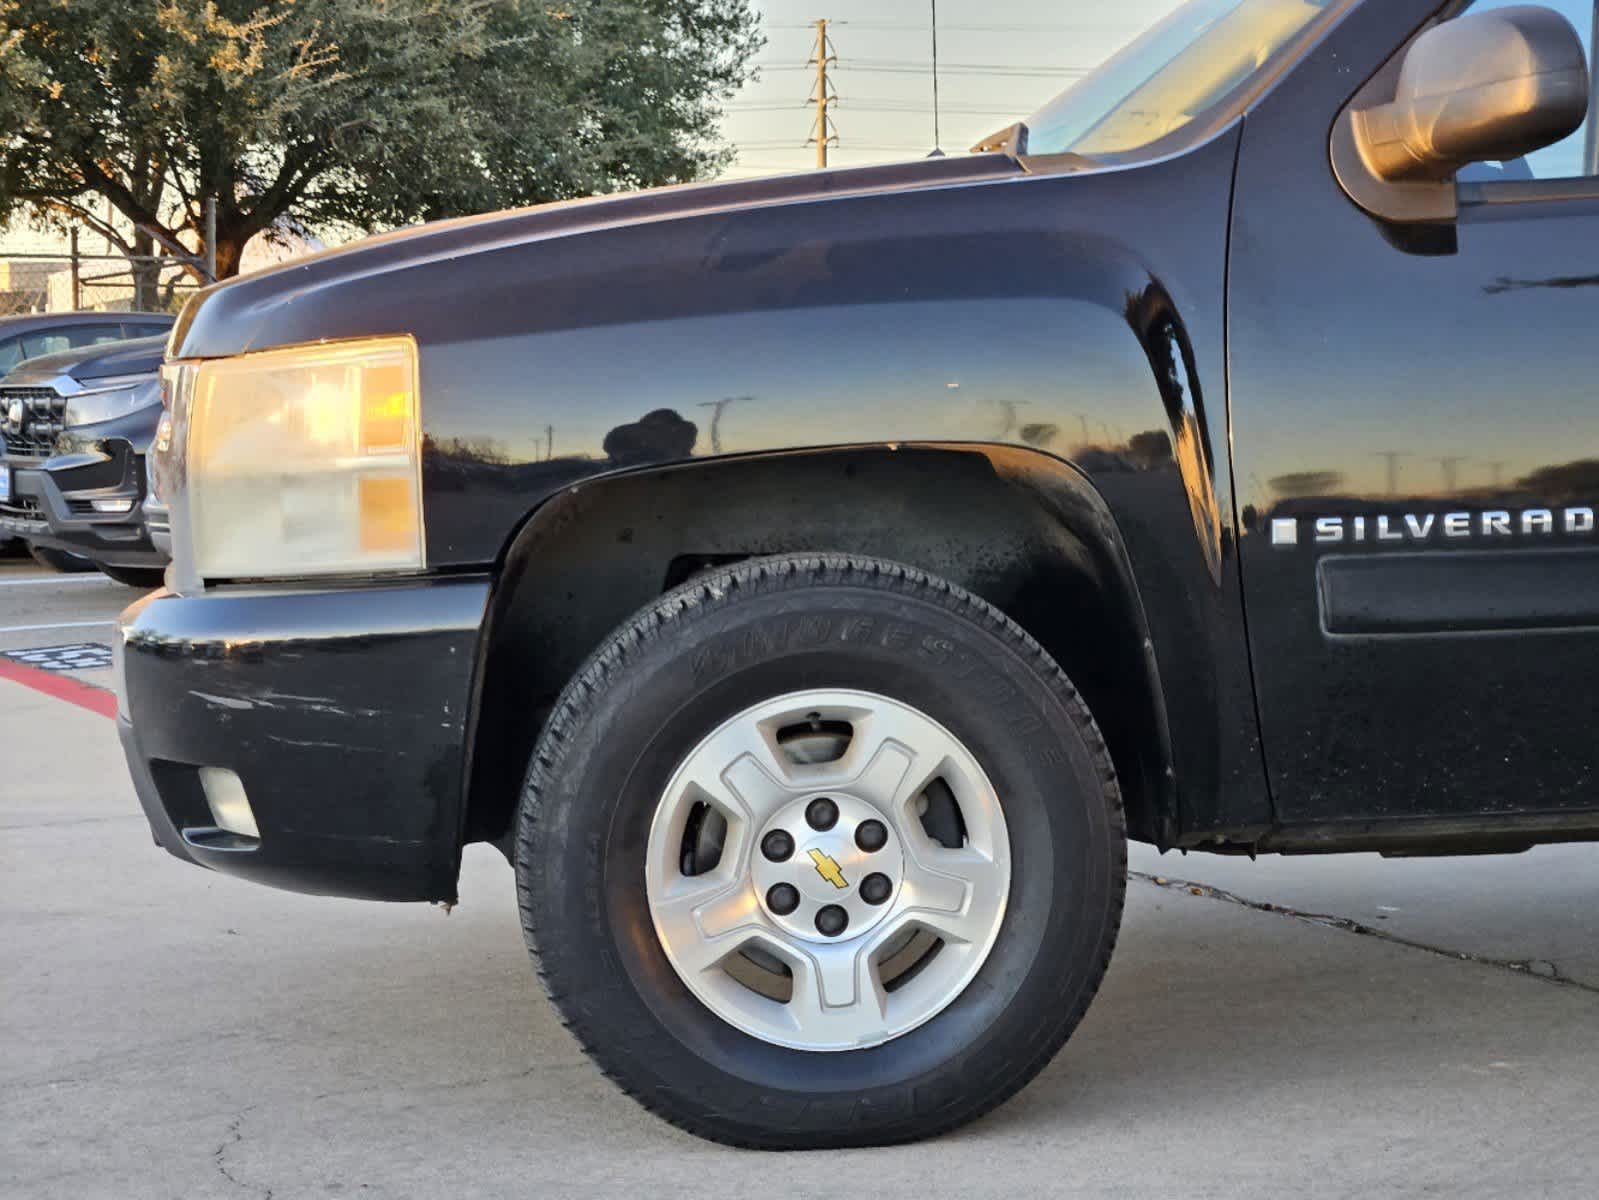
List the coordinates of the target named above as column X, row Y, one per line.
column 31, row 419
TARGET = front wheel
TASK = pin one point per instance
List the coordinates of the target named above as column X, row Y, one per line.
column 59, row 560
column 821, row 852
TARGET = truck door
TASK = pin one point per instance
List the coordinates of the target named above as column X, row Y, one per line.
column 1415, row 432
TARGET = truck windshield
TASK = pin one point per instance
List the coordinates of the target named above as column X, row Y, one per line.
column 1171, row 75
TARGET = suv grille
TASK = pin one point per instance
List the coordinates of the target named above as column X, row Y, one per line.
column 43, row 416
column 26, row 507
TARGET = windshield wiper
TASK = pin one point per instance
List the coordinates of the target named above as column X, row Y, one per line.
column 1010, row 141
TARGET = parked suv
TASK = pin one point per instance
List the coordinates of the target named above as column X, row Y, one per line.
column 809, row 583
column 74, row 428
column 35, row 334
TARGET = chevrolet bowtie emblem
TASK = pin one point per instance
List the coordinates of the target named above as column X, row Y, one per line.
column 827, row 868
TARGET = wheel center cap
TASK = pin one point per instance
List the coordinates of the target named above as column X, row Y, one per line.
column 828, row 869
column 829, row 886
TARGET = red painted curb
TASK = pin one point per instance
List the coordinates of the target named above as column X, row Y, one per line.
column 62, row 687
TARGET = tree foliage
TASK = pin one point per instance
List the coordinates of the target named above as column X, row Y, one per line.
column 364, row 113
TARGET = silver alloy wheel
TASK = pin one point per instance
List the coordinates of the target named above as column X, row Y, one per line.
column 786, row 917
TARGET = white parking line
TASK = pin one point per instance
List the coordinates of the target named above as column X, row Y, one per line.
column 57, row 625
column 84, row 578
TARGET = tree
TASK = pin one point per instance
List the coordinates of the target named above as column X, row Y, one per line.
column 306, row 114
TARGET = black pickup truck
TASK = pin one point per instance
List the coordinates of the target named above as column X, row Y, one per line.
column 810, row 582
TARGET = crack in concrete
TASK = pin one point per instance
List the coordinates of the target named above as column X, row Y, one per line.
column 232, row 1138
column 1531, row 968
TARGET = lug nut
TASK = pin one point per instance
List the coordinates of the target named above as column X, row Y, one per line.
column 831, row 920
column 876, row 888
column 783, row 898
column 871, row 836
column 821, row 814
column 778, row 846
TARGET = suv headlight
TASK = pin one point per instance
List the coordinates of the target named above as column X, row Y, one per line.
column 103, row 399
column 305, row 461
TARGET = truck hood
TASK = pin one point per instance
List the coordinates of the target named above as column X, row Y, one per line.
column 135, row 356
column 230, row 318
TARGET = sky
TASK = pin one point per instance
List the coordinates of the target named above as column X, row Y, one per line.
column 998, row 61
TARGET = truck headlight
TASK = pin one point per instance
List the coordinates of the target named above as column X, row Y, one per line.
column 306, row 461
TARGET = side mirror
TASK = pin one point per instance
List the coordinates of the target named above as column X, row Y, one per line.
column 1490, row 85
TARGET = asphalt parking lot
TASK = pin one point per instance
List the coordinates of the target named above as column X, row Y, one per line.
column 1334, row 1027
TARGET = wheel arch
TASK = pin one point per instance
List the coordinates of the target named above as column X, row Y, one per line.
column 1019, row 528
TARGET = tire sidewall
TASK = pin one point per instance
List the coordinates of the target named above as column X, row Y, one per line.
column 583, row 875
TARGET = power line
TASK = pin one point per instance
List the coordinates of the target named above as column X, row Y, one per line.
column 847, row 69
column 913, row 64
column 972, row 72
column 824, row 96
column 917, row 62
column 912, row 106
column 797, row 145
column 1079, row 27
column 904, row 106
column 851, row 148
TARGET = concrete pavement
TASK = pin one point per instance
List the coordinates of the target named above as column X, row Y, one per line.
column 42, row 608
column 165, row 1032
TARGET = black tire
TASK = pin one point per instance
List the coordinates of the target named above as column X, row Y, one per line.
column 59, row 560
column 143, row 578
column 707, row 651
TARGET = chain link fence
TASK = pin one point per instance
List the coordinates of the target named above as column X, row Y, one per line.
column 69, row 283
column 46, row 272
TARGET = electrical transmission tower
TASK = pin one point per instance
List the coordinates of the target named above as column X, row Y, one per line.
column 823, row 132
column 1392, row 457
column 1450, row 464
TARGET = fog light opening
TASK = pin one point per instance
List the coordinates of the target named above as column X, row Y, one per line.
column 125, row 504
column 230, row 807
